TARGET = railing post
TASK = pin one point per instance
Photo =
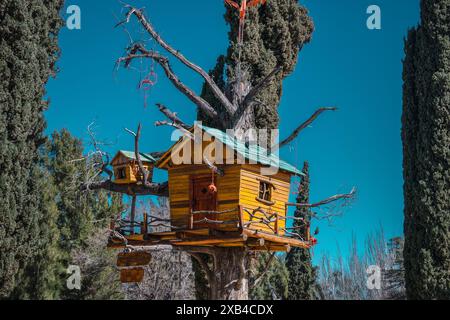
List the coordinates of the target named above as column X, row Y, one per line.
column 144, row 224
column 277, row 220
column 191, row 220
column 241, row 218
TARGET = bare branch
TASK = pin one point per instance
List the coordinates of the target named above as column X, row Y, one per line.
column 103, row 156
column 336, row 197
column 149, row 28
column 143, row 171
column 304, row 125
column 164, row 63
column 172, row 116
column 175, row 125
column 155, row 189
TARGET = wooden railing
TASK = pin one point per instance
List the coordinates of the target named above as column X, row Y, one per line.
column 216, row 214
column 272, row 221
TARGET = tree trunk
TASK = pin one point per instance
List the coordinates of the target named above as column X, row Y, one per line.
column 229, row 279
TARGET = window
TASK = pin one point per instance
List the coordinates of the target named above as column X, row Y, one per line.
column 121, row 173
column 265, row 191
column 266, row 188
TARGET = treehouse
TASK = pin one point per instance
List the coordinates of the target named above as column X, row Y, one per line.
column 225, row 193
column 126, row 168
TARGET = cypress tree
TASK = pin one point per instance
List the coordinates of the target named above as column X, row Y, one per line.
column 302, row 275
column 274, row 35
column 28, row 52
column 426, row 149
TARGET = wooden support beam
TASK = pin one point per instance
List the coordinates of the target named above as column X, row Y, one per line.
column 276, row 239
column 133, row 259
column 208, row 242
column 133, row 213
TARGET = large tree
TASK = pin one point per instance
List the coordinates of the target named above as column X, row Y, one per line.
column 302, row 275
column 28, row 52
column 242, row 92
column 426, row 148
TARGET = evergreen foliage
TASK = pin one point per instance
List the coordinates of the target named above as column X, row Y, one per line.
column 82, row 219
column 274, row 35
column 274, row 284
column 302, row 275
column 28, row 52
column 426, row 149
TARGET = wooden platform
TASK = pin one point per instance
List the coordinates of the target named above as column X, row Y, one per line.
column 253, row 239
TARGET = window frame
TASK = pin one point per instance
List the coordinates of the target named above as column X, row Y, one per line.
column 265, row 192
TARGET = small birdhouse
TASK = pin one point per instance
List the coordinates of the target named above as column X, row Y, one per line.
column 126, row 167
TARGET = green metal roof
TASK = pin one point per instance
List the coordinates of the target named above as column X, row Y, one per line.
column 253, row 153
column 144, row 156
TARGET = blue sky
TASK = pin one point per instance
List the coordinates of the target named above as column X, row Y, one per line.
column 346, row 65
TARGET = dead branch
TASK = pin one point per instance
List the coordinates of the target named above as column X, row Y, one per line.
column 304, row 125
column 155, row 189
column 142, row 170
column 176, row 126
column 103, row 156
column 164, row 63
column 172, row 116
column 149, row 28
column 336, row 197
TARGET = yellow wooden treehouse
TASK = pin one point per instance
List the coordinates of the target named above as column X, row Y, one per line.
column 220, row 195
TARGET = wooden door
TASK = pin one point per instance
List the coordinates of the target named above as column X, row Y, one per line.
column 203, row 200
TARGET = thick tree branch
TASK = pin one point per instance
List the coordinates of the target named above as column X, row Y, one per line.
column 304, row 125
column 154, row 189
column 336, row 197
column 203, row 265
column 175, row 125
column 172, row 116
column 164, row 63
column 149, row 28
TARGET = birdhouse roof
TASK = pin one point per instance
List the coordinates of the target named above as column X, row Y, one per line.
column 253, row 153
column 145, row 157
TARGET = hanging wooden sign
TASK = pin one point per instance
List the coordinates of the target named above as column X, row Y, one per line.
column 131, row 275
column 133, row 259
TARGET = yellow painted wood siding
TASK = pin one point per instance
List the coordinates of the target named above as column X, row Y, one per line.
column 180, row 193
column 249, row 191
